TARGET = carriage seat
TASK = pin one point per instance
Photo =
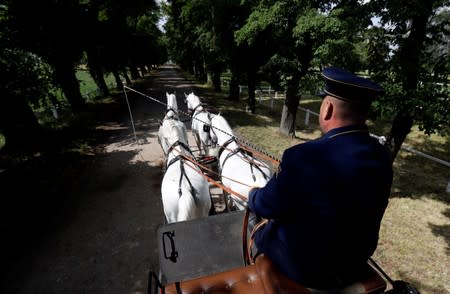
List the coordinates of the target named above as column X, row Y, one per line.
column 262, row 277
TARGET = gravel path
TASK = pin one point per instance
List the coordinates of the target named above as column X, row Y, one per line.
column 104, row 240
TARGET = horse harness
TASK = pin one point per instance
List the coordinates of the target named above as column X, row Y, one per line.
column 195, row 108
column 183, row 171
column 246, row 154
column 171, row 109
column 206, row 127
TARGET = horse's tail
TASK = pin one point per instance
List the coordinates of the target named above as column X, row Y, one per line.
column 187, row 204
column 195, row 199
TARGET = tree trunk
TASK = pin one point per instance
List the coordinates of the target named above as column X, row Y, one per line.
column 289, row 112
column 234, row 87
column 134, row 72
column 143, row 71
column 99, row 80
column 216, row 80
column 409, row 56
column 19, row 124
column 251, row 83
column 209, row 79
column 96, row 71
column 119, row 84
column 194, row 70
column 65, row 75
column 203, row 72
column 401, row 127
column 127, row 78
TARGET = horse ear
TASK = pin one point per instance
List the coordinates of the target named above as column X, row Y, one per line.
column 185, row 95
column 167, row 95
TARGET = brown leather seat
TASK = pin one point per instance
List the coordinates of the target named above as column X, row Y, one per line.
column 263, row 277
column 370, row 283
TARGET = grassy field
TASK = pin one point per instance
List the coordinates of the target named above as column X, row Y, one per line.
column 88, row 90
column 414, row 242
column 88, row 87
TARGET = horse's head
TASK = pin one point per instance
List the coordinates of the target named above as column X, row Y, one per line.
column 172, row 132
column 192, row 101
column 172, row 106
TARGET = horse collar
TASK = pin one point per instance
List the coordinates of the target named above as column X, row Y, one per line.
column 175, row 116
column 178, row 143
column 175, row 159
column 195, row 108
column 228, row 142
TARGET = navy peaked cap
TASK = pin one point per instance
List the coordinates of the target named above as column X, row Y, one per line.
column 345, row 85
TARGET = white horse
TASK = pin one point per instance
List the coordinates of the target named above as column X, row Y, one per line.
column 172, row 106
column 184, row 190
column 200, row 122
column 171, row 113
column 240, row 171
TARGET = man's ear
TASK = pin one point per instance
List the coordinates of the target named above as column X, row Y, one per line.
column 328, row 110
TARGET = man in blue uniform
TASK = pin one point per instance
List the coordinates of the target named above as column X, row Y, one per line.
column 326, row 202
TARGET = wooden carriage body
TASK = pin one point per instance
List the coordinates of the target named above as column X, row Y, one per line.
column 206, row 256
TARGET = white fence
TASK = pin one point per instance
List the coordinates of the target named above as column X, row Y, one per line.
column 383, row 139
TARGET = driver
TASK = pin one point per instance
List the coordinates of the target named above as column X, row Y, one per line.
column 326, row 202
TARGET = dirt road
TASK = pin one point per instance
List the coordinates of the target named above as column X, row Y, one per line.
column 103, row 240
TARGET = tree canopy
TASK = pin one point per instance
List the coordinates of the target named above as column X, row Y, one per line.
column 287, row 42
column 403, row 45
column 44, row 41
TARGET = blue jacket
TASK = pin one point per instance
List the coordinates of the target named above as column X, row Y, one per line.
column 325, row 206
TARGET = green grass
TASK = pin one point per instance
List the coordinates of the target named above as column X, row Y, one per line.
column 87, row 84
column 414, row 242
column 88, row 90
column 2, row 141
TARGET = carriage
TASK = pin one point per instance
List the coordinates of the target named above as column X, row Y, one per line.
column 209, row 254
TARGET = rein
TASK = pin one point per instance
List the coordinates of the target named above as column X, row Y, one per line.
column 240, row 140
column 259, row 154
column 224, row 146
column 217, row 184
column 182, row 170
column 245, row 156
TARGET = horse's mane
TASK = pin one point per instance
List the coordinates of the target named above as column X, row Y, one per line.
column 194, row 98
column 221, row 123
column 172, row 101
column 172, row 106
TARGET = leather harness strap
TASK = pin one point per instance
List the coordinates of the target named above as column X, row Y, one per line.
column 244, row 155
column 195, row 108
column 214, row 182
column 183, row 172
column 240, row 196
column 179, row 143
